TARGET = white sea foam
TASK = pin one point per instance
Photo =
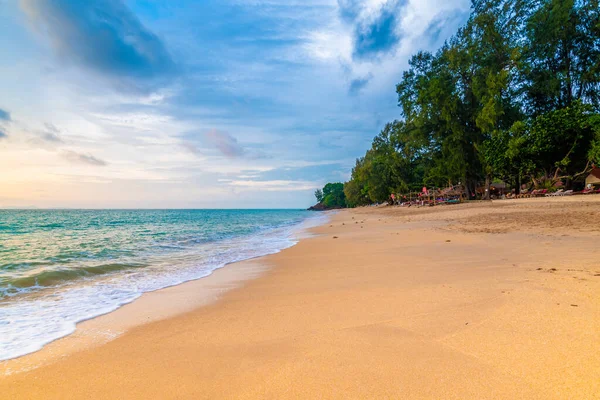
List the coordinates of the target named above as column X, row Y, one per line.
column 30, row 321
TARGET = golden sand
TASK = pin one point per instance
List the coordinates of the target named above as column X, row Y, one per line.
column 487, row 301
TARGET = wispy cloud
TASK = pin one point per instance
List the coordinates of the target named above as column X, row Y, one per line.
column 4, row 115
column 80, row 158
column 273, row 185
column 350, row 9
column 5, row 118
column 379, row 36
column 443, row 24
column 225, row 143
column 102, row 35
column 191, row 147
column 356, row 85
column 51, row 134
column 375, row 24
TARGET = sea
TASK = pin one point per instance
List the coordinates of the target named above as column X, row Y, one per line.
column 61, row 267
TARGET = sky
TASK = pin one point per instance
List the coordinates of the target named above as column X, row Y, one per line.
column 199, row 104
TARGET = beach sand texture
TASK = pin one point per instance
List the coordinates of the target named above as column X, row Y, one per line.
column 478, row 301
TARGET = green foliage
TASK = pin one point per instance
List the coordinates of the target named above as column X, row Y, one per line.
column 594, row 153
column 513, row 95
column 333, row 195
column 560, row 60
column 561, row 139
column 389, row 166
column 319, row 195
column 546, row 182
column 354, row 195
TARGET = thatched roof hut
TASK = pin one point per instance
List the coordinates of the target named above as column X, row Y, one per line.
column 457, row 190
column 496, row 188
column 593, row 178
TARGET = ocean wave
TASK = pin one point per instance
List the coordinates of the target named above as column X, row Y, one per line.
column 46, row 304
column 59, row 276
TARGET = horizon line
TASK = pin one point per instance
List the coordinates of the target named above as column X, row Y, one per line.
column 141, row 208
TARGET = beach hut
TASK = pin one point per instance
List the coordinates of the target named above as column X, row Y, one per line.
column 497, row 189
column 593, row 179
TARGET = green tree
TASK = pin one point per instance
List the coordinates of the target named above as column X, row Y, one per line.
column 333, row 195
column 390, row 166
column 319, row 195
column 561, row 55
column 561, row 141
column 594, row 153
column 514, row 94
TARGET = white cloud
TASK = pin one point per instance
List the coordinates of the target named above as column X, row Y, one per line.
column 275, row 185
column 138, row 120
column 284, row 109
column 331, row 45
column 334, row 44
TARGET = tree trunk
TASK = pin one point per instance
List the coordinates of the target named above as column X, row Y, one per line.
column 514, row 182
column 486, row 193
column 470, row 189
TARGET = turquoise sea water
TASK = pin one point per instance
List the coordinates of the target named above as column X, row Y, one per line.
column 59, row 267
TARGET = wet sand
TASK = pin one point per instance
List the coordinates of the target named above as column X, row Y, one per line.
column 489, row 301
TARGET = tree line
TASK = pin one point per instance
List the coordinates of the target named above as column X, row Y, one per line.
column 512, row 96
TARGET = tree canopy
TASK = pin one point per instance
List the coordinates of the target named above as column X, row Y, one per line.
column 513, row 95
column 331, row 196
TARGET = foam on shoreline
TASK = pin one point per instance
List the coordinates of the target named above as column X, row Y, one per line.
column 31, row 321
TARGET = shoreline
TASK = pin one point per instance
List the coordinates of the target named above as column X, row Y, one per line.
column 150, row 307
column 381, row 303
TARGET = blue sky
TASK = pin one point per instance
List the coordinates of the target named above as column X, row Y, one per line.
column 230, row 103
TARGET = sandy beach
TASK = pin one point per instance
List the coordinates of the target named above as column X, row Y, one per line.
column 476, row 301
